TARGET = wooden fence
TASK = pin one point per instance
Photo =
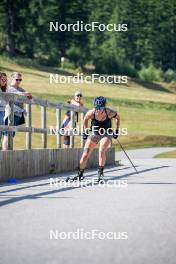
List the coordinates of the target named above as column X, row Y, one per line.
column 10, row 98
column 39, row 162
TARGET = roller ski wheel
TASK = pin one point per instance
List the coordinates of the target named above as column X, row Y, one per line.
column 79, row 177
column 67, row 179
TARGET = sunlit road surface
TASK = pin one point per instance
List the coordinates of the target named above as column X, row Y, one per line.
column 44, row 223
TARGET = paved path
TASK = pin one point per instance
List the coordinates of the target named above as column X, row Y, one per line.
column 141, row 209
column 146, row 153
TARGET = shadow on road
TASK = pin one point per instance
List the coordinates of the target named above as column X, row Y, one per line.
column 29, row 180
column 38, row 195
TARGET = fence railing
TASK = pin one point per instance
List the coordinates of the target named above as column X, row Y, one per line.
column 10, row 98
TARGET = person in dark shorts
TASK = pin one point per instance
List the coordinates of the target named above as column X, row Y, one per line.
column 100, row 132
column 3, row 88
column 19, row 111
column 67, row 120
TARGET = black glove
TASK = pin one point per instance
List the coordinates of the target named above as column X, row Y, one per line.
column 116, row 133
column 85, row 135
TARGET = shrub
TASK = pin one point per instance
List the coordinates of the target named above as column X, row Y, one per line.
column 109, row 64
column 150, row 74
column 67, row 64
column 170, row 75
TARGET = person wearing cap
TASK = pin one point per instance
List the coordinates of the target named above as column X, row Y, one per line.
column 67, row 119
column 100, row 132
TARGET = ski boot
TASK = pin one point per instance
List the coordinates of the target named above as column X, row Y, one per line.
column 101, row 175
column 79, row 176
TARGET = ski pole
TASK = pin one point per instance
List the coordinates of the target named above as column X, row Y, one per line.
column 127, row 156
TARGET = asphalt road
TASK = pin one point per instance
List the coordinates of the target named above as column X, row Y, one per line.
column 146, row 153
column 40, row 223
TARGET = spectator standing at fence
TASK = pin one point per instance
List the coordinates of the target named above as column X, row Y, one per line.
column 19, row 111
column 3, row 88
column 67, row 120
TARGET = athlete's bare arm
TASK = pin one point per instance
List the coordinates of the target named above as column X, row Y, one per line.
column 87, row 117
column 117, row 120
column 113, row 114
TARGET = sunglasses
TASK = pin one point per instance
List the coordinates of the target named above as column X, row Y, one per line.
column 18, row 80
column 79, row 95
column 99, row 107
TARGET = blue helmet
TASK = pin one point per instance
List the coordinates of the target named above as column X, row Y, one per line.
column 100, row 102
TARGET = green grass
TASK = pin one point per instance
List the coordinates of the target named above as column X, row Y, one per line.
column 148, row 110
column 170, row 154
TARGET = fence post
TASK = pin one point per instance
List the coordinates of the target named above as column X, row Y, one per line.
column 82, row 129
column 10, row 123
column 72, row 126
column 43, row 125
column 28, row 124
column 58, row 126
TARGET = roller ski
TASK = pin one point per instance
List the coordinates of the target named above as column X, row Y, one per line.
column 78, row 177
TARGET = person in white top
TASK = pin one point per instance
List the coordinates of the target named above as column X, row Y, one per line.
column 14, row 87
column 3, row 88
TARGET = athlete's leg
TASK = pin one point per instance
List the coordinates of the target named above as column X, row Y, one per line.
column 90, row 144
column 88, row 148
column 104, row 144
